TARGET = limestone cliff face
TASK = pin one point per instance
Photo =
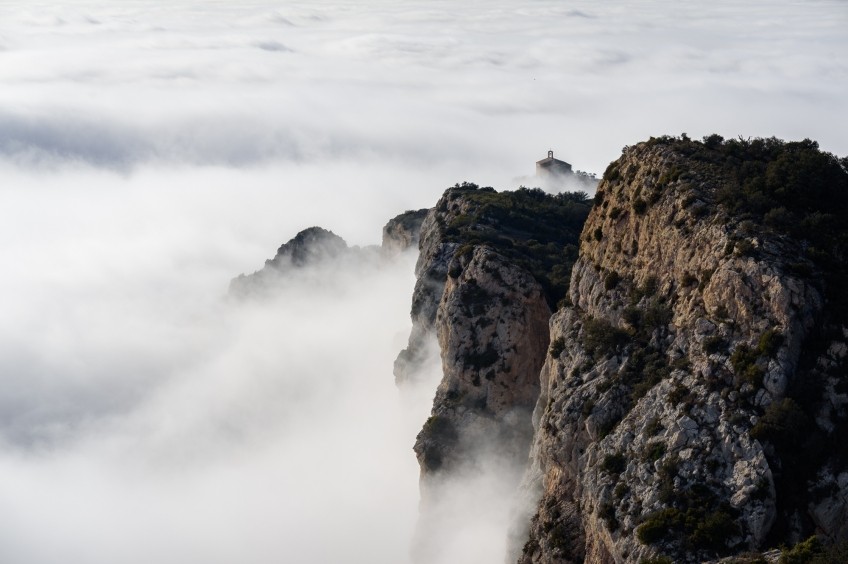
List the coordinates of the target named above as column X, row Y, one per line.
column 492, row 329
column 674, row 389
column 491, row 265
column 490, row 318
column 484, row 293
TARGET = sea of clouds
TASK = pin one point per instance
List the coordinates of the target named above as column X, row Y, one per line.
column 151, row 151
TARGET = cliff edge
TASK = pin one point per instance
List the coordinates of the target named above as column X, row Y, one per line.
column 693, row 402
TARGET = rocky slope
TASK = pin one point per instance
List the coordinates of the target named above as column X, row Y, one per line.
column 702, row 349
column 692, row 402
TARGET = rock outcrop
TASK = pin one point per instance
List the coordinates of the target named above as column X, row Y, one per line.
column 403, row 231
column 315, row 249
column 310, row 247
column 696, row 348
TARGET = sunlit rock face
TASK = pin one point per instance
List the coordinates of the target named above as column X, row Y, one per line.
column 690, row 386
column 693, row 402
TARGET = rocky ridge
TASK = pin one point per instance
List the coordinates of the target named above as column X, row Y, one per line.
column 317, row 249
column 692, row 403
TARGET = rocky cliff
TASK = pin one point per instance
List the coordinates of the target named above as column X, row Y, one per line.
column 491, row 268
column 403, row 231
column 703, row 348
column 692, row 400
column 485, row 291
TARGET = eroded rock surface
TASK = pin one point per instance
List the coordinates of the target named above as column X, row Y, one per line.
column 672, row 396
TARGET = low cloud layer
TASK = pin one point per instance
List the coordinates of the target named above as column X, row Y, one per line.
column 484, row 83
column 215, row 432
column 150, row 152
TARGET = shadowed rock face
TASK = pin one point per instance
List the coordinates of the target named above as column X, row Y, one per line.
column 402, row 232
column 492, row 329
column 311, row 247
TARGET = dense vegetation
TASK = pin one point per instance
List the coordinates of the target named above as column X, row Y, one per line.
column 535, row 230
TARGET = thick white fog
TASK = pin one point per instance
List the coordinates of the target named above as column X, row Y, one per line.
column 151, row 151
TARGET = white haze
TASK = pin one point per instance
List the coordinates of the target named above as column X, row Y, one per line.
column 151, row 151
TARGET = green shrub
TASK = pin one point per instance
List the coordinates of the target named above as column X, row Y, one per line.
column 769, row 343
column 713, row 532
column 632, row 316
column 557, row 346
column 836, row 554
column 706, row 276
column 481, row 360
column 600, row 337
column 647, row 289
column 611, row 280
column 658, row 525
column 646, row 367
column 657, row 560
column 743, row 248
column 677, row 394
column 612, row 173
column 440, row 427
column 532, row 229
column 614, row 463
column 748, row 558
column 640, row 206
column 714, row 344
column 744, row 365
column 654, row 451
column 783, row 424
column 802, row 553
column 657, row 314
column 606, row 511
